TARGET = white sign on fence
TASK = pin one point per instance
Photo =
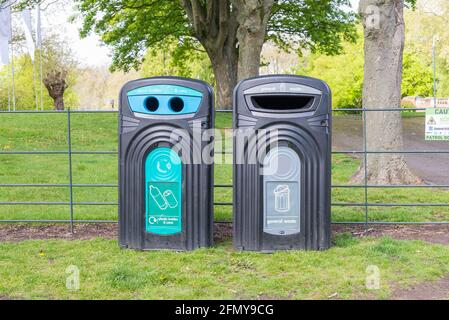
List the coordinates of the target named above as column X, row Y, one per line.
column 437, row 124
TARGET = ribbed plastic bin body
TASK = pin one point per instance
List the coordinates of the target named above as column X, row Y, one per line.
column 166, row 189
column 282, row 164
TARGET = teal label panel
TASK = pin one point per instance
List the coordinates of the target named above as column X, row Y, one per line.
column 163, row 180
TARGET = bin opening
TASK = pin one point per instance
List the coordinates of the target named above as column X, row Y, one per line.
column 282, row 102
column 151, row 104
column 176, row 104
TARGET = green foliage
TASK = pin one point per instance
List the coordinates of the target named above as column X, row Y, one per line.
column 411, row 3
column 417, row 77
column 421, row 27
column 130, row 27
column 173, row 58
column 344, row 73
column 25, row 87
column 321, row 26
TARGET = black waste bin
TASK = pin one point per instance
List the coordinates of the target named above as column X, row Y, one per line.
column 166, row 186
column 282, row 164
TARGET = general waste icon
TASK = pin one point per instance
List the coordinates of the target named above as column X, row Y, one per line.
column 282, row 198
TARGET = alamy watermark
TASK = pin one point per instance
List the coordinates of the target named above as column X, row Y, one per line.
column 213, row 146
column 372, row 17
column 372, row 280
column 72, row 282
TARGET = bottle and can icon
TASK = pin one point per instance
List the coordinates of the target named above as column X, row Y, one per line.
column 158, row 197
column 170, row 199
column 282, row 198
column 164, row 200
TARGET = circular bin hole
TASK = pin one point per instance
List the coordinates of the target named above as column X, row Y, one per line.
column 151, row 104
column 176, row 104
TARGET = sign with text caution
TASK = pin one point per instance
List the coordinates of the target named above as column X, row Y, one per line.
column 163, row 192
column 437, row 124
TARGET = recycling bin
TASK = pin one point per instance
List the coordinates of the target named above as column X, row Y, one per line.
column 282, row 164
column 166, row 184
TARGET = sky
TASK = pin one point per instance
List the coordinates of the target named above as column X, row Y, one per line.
column 89, row 51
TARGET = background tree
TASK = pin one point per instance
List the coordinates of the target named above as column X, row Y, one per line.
column 429, row 20
column 56, row 57
column 417, row 77
column 345, row 72
column 59, row 69
column 173, row 59
column 384, row 31
column 232, row 32
column 24, row 87
column 97, row 88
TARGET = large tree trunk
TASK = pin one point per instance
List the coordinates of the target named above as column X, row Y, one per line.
column 253, row 16
column 221, row 28
column 383, row 22
column 215, row 26
column 225, row 71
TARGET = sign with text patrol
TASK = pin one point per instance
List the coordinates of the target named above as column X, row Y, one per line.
column 437, row 124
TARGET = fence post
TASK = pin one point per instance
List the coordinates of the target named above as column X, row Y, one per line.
column 365, row 160
column 69, row 141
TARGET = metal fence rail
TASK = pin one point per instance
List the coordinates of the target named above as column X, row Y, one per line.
column 71, row 186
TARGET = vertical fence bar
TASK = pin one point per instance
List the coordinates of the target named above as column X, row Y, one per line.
column 365, row 160
column 69, row 141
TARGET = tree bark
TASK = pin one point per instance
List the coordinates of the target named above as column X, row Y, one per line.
column 252, row 17
column 55, row 82
column 383, row 22
column 233, row 36
column 215, row 27
column 59, row 103
column 225, row 71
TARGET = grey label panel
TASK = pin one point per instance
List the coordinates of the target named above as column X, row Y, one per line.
column 282, row 208
column 282, row 196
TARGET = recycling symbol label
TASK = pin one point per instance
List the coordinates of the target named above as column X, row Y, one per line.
column 163, row 205
column 163, row 182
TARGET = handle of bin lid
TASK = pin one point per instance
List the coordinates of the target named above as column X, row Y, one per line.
column 282, row 87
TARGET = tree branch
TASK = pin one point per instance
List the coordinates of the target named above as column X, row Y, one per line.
column 197, row 16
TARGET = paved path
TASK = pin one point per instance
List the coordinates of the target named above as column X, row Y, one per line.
column 433, row 168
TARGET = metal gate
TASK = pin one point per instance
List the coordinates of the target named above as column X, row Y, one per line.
column 71, row 204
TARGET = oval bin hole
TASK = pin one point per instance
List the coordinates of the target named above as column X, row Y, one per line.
column 282, row 102
column 151, row 104
column 176, row 104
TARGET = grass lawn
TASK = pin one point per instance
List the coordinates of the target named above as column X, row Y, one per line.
column 98, row 132
column 37, row 270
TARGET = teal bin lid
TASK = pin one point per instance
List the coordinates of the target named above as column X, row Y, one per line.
column 165, row 94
